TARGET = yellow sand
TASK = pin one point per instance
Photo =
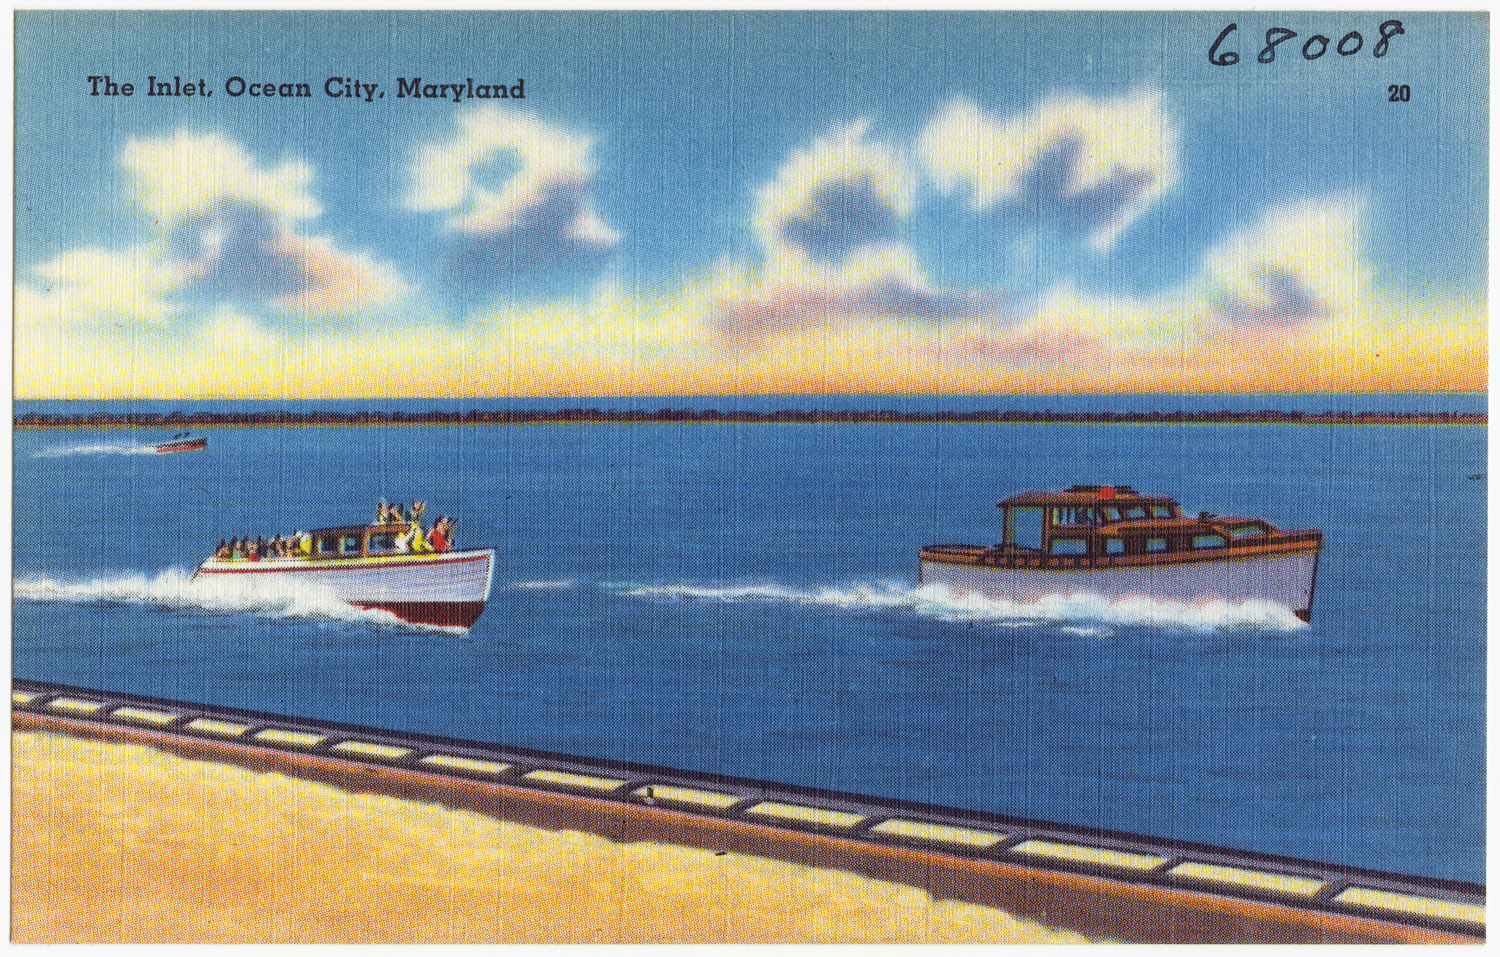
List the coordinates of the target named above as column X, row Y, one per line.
column 124, row 844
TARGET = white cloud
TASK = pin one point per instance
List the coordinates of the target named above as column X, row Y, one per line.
column 839, row 196
column 453, row 177
column 1094, row 165
column 226, row 229
column 336, row 281
column 92, row 284
column 184, row 175
column 1298, row 262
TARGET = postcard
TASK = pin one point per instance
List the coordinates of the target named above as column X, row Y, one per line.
column 532, row 477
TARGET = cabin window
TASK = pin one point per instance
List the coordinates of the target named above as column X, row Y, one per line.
column 1161, row 511
column 1114, row 546
column 1134, row 513
column 1023, row 527
column 1073, row 515
column 1070, row 546
column 328, row 545
column 1156, row 544
column 1110, row 514
column 1209, row 541
column 349, row 545
column 382, row 543
column 1247, row 530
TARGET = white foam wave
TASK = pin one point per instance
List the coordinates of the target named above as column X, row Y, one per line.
column 1095, row 613
column 175, row 589
column 105, row 448
column 542, row 585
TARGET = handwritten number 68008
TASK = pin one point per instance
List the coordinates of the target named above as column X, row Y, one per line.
column 1313, row 48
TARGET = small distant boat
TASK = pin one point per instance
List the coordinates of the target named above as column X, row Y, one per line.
column 180, row 443
column 1113, row 542
column 365, row 566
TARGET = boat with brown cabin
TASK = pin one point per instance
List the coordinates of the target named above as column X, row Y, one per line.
column 1116, row 543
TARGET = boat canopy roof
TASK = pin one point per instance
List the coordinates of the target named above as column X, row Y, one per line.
column 360, row 530
column 1087, row 495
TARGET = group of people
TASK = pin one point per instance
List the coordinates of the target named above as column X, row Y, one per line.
column 300, row 544
column 296, row 545
column 414, row 539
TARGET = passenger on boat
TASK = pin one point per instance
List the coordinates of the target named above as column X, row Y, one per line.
column 222, row 552
column 418, row 536
column 438, row 538
column 236, row 550
column 419, row 543
column 252, row 552
column 304, row 545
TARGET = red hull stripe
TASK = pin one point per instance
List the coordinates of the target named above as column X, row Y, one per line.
column 447, row 614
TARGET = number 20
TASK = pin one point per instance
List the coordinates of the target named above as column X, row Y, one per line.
column 1398, row 93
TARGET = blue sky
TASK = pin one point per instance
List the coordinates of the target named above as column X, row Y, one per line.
column 744, row 202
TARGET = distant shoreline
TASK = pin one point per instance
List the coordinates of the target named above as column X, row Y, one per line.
column 593, row 416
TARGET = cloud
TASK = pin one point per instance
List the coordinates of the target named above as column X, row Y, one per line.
column 1299, row 263
column 854, row 284
column 183, row 176
column 555, row 235
column 1074, row 164
column 226, row 231
column 1035, row 347
column 834, row 224
column 517, row 196
column 749, row 319
column 841, row 217
column 631, row 344
column 841, row 196
column 95, row 284
column 235, row 250
column 832, row 229
column 1296, row 275
column 336, row 281
column 1066, row 329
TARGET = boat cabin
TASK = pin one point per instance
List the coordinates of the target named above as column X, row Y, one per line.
column 1098, row 521
column 357, row 541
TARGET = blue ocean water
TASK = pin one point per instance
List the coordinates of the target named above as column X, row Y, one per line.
column 742, row 599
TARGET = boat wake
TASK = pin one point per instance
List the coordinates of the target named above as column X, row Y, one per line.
column 174, row 589
column 1081, row 614
column 561, row 585
column 97, row 448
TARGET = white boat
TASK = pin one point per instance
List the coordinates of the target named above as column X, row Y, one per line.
column 365, row 566
column 1114, row 543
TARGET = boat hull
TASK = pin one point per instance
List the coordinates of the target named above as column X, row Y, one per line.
column 447, row 590
column 190, row 445
column 1285, row 579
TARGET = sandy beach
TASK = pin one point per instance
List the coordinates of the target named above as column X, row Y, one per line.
column 125, row 844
